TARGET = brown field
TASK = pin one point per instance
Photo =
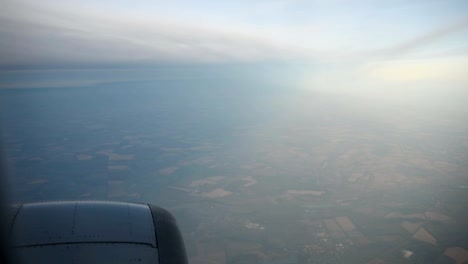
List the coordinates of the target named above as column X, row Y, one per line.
column 83, row 157
column 425, row 236
column 304, row 192
column 116, row 188
column 117, row 167
column 411, row 227
column 334, row 228
column 345, row 223
column 460, row 255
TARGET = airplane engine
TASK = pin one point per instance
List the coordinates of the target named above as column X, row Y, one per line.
column 94, row 232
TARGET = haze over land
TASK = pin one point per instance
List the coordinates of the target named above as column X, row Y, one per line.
column 276, row 132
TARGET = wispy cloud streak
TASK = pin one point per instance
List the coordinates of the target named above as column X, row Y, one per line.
column 68, row 33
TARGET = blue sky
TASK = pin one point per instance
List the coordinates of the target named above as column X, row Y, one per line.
column 359, row 43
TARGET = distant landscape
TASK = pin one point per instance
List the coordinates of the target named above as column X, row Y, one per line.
column 252, row 174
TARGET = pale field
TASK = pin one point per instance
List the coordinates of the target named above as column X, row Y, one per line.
column 205, row 160
column 38, row 181
column 249, row 181
column 436, row 217
column 114, row 156
column 206, row 181
column 167, row 171
column 292, row 194
column 216, row 193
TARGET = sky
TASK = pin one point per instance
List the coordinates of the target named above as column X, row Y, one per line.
column 331, row 45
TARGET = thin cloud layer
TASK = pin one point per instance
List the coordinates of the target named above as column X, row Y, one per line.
column 86, row 33
column 426, row 38
column 80, row 37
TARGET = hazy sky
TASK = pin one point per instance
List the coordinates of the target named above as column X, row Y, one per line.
column 355, row 43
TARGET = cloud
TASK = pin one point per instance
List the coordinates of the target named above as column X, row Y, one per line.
column 423, row 40
column 57, row 33
column 45, row 36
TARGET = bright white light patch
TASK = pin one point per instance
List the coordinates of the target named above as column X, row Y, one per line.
column 406, row 253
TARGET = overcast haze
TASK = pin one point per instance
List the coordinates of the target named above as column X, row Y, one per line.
column 319, row 131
